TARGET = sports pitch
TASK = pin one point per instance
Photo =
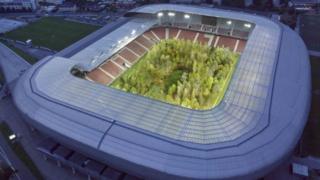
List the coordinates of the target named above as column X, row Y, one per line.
column 52, row 32
column 181, row 72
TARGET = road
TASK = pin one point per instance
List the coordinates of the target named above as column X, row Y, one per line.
column 7, row 153
column 11, row 64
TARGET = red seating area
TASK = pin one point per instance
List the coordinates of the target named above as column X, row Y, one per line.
column 160, row 32
column 241, row 46
column 136, row 48
column 145, row 42
column 99, row 76
column 128, row 55
column 187, row 35
column 116, row 65
column 202, row 39
column 120, row 61
column 173, row 32
column 227, row 42
column 111, row 68
column 150, row 35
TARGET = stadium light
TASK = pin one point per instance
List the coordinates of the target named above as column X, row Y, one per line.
column 187, row 16
column 247, row 25
column 160, row 14
column 229, row 22
column 133, row 32
column 171, row 14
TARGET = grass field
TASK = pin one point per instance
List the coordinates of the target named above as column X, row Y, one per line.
column 182, row 73
column 52, row 32
column 21, row 53
column 1, row 79
column 309, row 31
column 20, row 152
column 311, row 134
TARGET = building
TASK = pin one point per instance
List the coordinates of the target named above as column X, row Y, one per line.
column 55, row 2
column 304, row 5
column 68, row 7
column 17, row 5
column 252, row 131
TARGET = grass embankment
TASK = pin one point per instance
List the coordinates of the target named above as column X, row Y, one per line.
column 19, row 151
column 2, row 80
column 21, row 53
column 311, row 134
column 52, row 32
column 182, row 73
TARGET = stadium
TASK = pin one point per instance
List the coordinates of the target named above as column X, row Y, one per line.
column 253, row 128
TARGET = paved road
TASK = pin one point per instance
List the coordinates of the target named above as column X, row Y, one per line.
column 11, row 64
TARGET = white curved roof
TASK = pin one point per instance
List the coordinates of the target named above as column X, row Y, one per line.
column 257, row 123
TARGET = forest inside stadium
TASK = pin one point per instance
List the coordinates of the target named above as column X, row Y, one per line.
column 181, row 72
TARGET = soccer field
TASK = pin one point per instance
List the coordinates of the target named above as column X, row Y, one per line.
column 52, row 32
column 182, row 73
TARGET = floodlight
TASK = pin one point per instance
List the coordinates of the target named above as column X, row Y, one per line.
column 133, row 32
column 229, row 22
column 247, row 25
column 171, row 14
column 160, row 14
column 187, row 16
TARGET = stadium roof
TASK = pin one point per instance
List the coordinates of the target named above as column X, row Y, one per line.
column 252, row 130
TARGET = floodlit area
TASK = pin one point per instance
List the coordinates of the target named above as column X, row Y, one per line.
column 52, row 32
column 181, row 72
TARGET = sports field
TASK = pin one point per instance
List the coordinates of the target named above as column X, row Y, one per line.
column 309, row 31
column 52, row 32
column 182, row 73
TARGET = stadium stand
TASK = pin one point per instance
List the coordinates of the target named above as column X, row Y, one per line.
column 117, row 64
column 79, row 163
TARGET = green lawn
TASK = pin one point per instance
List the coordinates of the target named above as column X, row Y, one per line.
column 52, row 32
column 182, row 73
column 20, row 152
column 21, row 53
column 311, row 134
column 309, row 31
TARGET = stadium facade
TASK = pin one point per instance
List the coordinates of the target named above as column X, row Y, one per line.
column 253, row 130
